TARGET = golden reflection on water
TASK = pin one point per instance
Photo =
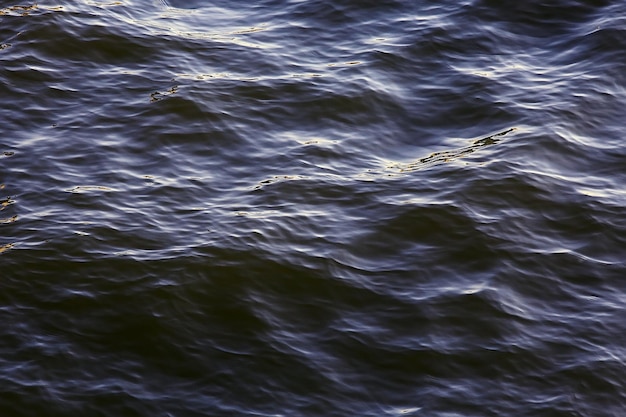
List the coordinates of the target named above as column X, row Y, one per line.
column 7, row 201
column 9, row 220
column 18, row 10
column 6, row 247
column 448, row 156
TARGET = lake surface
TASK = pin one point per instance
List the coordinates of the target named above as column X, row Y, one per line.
column 312, row 208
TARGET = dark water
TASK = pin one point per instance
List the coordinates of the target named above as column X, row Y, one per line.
column 313, row 208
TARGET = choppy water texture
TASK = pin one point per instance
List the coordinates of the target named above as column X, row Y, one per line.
column 312, row 208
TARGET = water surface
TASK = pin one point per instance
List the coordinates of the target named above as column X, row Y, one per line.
column 298, row 208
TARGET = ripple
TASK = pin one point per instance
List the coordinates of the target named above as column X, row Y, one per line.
column 305, row 208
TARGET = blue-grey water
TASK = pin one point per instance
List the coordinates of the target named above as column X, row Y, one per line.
column 312, row 208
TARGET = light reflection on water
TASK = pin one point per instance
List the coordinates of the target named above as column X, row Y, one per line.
column 305, row 208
